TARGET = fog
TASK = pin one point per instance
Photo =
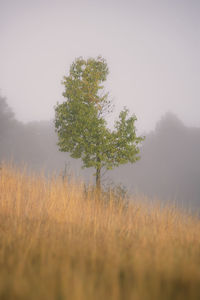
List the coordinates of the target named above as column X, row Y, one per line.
column 169, row 168
column 152, row 48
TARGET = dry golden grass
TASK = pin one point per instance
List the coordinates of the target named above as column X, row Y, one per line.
column 58, row 243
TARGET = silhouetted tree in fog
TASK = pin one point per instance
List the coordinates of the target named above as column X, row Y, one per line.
column 7, row 118
column 33, row 143
column 7, row 125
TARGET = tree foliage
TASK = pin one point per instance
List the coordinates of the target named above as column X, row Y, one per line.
column 81, row 125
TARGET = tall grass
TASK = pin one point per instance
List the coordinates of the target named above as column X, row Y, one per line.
column 57, row 242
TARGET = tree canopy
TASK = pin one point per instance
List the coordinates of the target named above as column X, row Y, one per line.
column 81, row 124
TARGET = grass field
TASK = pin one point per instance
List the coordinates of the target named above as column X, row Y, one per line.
column 57, row 242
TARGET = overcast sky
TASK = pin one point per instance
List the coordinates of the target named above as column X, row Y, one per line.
column 152, row 48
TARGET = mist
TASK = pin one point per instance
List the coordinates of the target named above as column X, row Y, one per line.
column 169, row 168
column 151, row 47
column 152, row 51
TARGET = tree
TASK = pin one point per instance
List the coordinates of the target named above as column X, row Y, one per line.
column 7, row 118
column 81, row 125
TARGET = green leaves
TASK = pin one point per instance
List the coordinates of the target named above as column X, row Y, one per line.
column 125, row 139
column 80, row 124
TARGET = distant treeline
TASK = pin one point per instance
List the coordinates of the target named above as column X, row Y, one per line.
column 169, row 167
column 34, row 143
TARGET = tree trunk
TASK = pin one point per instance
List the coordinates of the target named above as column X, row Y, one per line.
column 98, row 179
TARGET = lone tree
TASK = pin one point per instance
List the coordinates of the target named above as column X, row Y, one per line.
column 81, row 125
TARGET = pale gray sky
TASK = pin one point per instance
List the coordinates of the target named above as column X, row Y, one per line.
column 152, row 48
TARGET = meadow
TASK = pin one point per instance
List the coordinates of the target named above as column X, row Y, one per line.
column 58, row 241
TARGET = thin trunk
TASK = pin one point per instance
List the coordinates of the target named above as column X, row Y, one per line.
column 98, row 169
column 98, row 179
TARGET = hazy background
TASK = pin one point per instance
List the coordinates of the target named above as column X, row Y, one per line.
column 152, row 48
column 153, row 53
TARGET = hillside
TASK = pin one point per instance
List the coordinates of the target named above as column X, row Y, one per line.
column 59, row 242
